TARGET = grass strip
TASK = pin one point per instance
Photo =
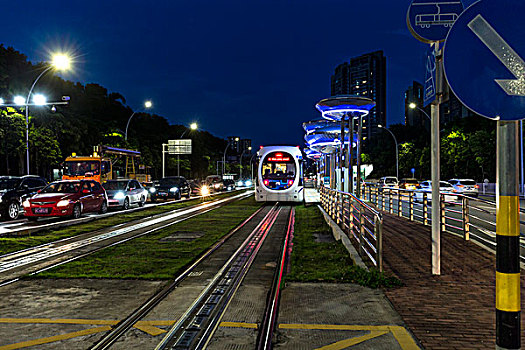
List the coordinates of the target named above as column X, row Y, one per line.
column 13, row 244
column 326, row 260
column 158, row 256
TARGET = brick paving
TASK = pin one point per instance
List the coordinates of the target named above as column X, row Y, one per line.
column 453, row 311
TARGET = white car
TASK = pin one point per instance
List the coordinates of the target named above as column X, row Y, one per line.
column 388, row 181
column 465, row 186
column 444, row 188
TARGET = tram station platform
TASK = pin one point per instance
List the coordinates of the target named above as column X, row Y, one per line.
column 455, row 310
column 311, row 195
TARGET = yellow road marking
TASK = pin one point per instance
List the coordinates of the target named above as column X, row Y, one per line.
column 55, row 338
column 239, row 325
column 337, row 327
column 343, row 344
column 403, row 338
column 151, row 330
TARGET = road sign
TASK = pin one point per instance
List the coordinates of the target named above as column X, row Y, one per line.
column 430, row 20
column 179, row 146
column 413, row 171
column 429, row 94
column 484, row 59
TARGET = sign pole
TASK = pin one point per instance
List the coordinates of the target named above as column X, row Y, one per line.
column 163, row 159
column 508, row 304
column 435, row 160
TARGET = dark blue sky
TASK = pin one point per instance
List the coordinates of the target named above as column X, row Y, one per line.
column 250, row 68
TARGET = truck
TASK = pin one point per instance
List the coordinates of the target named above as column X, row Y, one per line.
column 99, row 166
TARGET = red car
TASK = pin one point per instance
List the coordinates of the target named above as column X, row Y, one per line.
column 67, row 198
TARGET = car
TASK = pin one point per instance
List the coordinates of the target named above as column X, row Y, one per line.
column 14, row 190
column 467, row 187
column 408, row 184
column 69, row 198
column 195, row 187
column 388, row 181
column 171, row 187
column 123, row 193
column 214, row 183
column 444, row 188
column 228, row 185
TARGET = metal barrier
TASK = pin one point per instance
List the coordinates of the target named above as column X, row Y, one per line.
column 473, row 218
column 362, row 223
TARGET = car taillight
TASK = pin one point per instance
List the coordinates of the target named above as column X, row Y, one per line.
column 476, row 186
column 266, row 182
column 461, row 186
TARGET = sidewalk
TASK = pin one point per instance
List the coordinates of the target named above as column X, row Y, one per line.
column 453, row 311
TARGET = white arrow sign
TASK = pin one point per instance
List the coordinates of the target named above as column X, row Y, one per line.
column 499, row 47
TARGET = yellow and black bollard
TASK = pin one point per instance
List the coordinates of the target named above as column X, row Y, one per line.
column 508, row 307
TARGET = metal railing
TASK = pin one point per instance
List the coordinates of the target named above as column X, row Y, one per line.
column 362, row 223
column 472, row 218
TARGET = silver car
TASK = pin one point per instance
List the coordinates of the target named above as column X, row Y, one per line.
column 467, row 187
column 444, row 188
column 123, row 193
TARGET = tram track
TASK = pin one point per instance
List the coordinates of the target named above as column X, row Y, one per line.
column 195, row 326
column 46, row 256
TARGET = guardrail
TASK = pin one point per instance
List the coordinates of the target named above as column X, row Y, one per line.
column 473, row 218
column 362, row 223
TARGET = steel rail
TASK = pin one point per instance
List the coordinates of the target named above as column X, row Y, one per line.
column 204, row 210
column 260, row 230
column 266, row 330
column 124, row 325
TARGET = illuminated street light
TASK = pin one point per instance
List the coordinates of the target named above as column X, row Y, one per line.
column 412, row 105
column 1, row 101
column 193, row 126
column 20, row 101
column 147, row 104
column 224, row 155
column 240, row 161
column 39, row 100
column 59, row 61
column 397, row 149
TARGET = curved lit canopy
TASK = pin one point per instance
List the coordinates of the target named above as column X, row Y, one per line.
column 341, row 106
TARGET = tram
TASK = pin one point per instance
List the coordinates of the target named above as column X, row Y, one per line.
column 279, row 174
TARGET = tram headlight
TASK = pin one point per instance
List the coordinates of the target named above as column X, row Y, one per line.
column 205, row 190
column 217, row 186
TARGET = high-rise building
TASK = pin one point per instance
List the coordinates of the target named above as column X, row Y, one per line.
column 413, row 116
column 364, row 76
column 235, row 144
column 245, row 145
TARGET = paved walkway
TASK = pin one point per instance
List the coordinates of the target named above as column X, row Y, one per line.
column 453, row 311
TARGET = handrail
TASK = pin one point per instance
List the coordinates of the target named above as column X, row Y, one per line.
column 359, row 200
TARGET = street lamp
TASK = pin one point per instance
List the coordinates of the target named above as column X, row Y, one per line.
column 397, row 149
column 240, row 161
column 59, row 62
column 224, row 155
column 193, row 126
column 147, row 105
column 412, row 105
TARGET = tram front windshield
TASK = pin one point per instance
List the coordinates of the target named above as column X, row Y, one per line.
column 278, row 170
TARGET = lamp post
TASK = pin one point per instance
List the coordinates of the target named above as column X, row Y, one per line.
column 224, row 155
column 59, row 62
column 412, row 105
column 147, row 105
column 240, row 160
column 397, row 148
column 193, row 126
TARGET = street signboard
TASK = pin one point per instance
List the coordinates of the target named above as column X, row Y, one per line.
column 179, row 146
column 430, row 20
column 429, row 94
column 483, row 59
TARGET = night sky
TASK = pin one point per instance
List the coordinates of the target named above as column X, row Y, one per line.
column 253, row 69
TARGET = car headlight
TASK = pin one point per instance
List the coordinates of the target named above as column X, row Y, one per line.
column 205, row 190
column 0, row 199
column 248, row 183
column 217, row 185
column 152, row 190
column 26, row 204
column 63, row 203
column 120, row 195
column 239, row 183
column 174, row 189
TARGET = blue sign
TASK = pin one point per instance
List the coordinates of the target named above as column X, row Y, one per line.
column 429, row 94
column 483, row 59
column 430, row 20
column 413, row 171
